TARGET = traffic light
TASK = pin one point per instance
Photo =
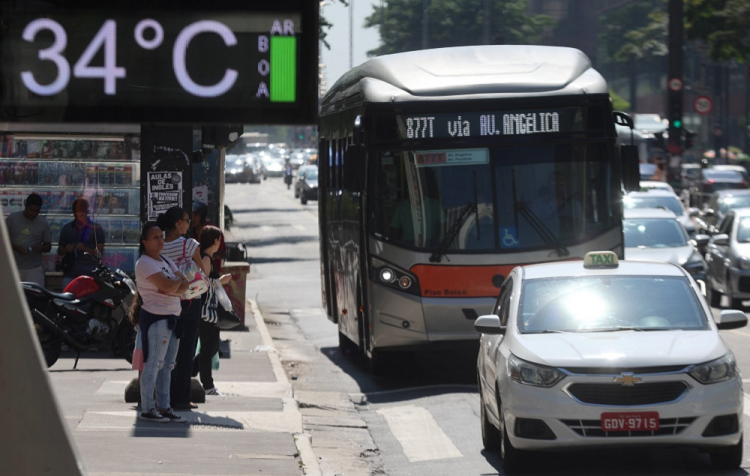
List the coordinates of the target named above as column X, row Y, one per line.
column 674, row 100
column 689, row 139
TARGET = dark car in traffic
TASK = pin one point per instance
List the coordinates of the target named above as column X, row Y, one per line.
column 718, row 205
column 306, row 186
column 711, row 180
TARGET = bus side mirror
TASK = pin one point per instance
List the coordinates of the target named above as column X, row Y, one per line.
column 631, row 175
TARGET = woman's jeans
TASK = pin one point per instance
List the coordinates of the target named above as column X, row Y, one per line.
column 209, row 335
column 183, row 371
column 157, row 370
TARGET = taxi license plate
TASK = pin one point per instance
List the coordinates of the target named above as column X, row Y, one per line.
column 631, row 421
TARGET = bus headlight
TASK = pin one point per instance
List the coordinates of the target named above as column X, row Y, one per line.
column 386, row 275
column 391, row 276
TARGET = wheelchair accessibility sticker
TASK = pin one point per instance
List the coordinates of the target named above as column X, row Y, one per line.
column 508, row 237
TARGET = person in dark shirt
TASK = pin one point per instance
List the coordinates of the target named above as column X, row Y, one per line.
column 77, row 237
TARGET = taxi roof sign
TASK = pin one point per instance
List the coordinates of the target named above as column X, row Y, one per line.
column 600, row 259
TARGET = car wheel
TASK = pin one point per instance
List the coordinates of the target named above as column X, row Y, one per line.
column 490, row 434
column 714, row 296
column 512, row 458
column 302, row 198
column 728, row 458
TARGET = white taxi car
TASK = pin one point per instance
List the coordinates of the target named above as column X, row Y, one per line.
column 600, row 353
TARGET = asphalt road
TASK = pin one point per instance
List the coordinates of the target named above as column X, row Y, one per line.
column 424, row 418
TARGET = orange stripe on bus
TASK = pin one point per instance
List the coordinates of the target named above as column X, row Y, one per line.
column 460, row 281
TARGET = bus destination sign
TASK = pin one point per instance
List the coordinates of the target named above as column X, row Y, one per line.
column 478, row 124
column 147, row 65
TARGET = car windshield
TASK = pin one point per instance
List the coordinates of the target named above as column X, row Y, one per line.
column 722, row 175
column 653, row 233
column 609, row 303
column 734, row 202
column 670, row 203
column 311, row 174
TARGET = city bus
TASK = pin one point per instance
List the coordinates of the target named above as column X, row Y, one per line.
column 441, row 170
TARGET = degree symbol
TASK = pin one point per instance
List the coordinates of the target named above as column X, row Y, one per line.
column 158, row 34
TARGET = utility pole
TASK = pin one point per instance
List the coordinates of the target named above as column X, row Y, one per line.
column 351, row 34
column 675, row 83
column 425, row 29
column 486, row 33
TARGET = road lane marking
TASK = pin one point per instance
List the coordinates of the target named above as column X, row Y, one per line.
column 419, row 434
column 746, row 409
column 266, row 228
column 300, row 227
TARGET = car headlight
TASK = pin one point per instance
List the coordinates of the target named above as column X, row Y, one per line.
column 715, row 371
column 745, row 263
column 527, row 373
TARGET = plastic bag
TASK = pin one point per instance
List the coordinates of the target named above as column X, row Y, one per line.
column 198, row 284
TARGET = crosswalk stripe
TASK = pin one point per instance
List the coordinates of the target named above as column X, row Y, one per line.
column 419, row 434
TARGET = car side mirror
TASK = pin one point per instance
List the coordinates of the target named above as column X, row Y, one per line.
column 701, row 241
column 719, row 240
column 731, row 319
column 489, row 324
column 631, row 174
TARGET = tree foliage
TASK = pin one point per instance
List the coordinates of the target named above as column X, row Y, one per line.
column 723, row 24
column 633, row 34
column 453, row 23
column 324, row 25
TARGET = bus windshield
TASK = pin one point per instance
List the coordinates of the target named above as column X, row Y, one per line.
column 504, row 198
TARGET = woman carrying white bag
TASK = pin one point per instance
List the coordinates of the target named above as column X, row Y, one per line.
column 185, row 253
column 208, row 331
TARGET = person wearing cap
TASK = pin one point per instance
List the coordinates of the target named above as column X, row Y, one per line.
column 29, row 237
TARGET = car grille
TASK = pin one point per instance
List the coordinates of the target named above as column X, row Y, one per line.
column 593, row 428
column 744, row 284
column 616, row 394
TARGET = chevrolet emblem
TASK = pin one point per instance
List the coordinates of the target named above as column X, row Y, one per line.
column 627, row 379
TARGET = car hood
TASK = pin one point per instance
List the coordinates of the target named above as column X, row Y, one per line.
column 620, row 349
column 677, row 255
column 312, row 183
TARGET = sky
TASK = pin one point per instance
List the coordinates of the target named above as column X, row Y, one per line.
column 336, row 60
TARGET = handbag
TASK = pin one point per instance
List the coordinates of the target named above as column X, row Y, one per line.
column 194, row 275
column 217, row 308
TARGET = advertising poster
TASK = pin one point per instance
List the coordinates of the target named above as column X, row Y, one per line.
column 164, row 192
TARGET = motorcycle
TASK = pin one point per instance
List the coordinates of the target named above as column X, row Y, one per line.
column 288, row 177
column 82, row 316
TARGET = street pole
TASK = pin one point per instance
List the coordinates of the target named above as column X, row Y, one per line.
column 675, row 82
column 425, row 30
column 486, row 25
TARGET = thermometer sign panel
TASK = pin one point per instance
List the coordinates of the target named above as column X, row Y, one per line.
column 228, row 66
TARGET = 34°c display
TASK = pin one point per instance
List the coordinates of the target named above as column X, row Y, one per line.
column 140, row 65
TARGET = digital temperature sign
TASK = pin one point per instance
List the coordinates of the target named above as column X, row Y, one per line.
column 216, row 64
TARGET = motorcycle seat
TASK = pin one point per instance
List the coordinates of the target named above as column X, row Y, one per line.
column 41, row 289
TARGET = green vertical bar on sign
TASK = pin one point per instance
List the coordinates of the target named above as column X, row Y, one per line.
column 283, row 68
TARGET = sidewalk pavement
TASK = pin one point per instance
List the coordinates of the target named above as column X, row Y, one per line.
column 255, row 428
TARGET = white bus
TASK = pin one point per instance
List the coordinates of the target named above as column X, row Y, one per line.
column 441, row 170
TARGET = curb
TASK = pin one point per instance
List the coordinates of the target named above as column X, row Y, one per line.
column 303, row 441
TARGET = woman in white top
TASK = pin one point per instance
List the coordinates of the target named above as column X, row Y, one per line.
column 159, row 287
column 176, row 222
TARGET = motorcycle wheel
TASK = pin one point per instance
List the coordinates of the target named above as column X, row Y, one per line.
column 126, row 339
column 51, row 347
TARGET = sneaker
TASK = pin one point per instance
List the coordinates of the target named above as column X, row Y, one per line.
column 172, row 416
column 214, row 391
column 153, row 415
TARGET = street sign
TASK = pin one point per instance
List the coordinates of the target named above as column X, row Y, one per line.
column 675, row 84
column 703, row 104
